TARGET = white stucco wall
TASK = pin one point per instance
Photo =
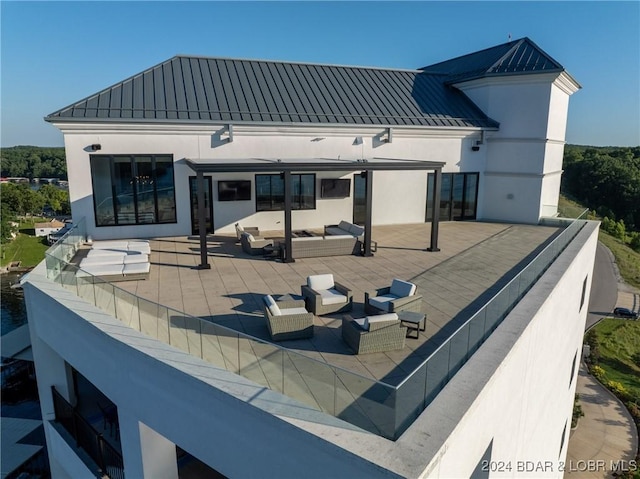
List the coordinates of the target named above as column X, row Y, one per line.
column 406, row 190
column 528, row 148
column 527, row 386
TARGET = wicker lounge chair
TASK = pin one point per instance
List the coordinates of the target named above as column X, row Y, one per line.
column 374, row 334
column 323, row 295
column 287, row 319
column 254, row 245
column 400, row 296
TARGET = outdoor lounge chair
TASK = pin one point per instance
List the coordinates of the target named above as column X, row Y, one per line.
column 249, row 229
column 287, row 319
column 323, row 295
column 254, row 245
column 373, row 334
column 400, row 296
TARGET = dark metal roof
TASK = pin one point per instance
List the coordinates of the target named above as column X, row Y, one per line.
column 252, row 165
column 192, row 89
column 516, row 57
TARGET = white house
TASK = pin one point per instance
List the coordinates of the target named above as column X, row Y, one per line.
column 47, row 228
column 222, row 141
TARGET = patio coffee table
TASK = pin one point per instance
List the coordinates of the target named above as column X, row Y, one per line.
column 414, row 322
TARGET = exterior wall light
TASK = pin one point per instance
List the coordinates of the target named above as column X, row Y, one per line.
column 96, row 147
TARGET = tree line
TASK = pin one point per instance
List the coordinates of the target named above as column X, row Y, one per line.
column 33, row 162
column 606, row 180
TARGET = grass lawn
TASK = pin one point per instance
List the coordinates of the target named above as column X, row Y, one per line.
column 26, row 248
column 619, row 341
column 628, row 260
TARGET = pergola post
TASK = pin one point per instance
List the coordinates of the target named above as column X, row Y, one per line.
column 437, row 180
column 368, row 211
column 202, row 222
column 288, row 257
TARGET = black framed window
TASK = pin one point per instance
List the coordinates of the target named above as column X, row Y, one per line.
column 458, row 196
column 270, row 192
column 133, row 189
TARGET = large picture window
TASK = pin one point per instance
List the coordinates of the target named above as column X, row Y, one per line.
column 133, row 189
column 270, row 192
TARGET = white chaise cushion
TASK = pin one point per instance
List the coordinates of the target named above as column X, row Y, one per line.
column 402, row 289
column 110, row 244
column 331, row 296
column 320, row 281
column 103, row 259
column 271, row 304
column 382, row 302
column 136, row 268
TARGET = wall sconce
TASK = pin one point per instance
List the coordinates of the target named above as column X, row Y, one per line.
column 96, row 147
column 475, row 148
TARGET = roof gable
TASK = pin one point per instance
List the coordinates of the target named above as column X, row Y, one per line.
column 186, row 88
column 516, row 57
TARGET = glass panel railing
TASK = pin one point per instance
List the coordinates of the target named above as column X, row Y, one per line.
column 372, row 405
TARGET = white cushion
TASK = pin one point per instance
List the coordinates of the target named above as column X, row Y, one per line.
column 250, row 237
column 239, row 227
column 331, row 296
column 345, row 225
column 135, row 258
column 103, row 269
column 139, row 248
column 103, row 259
column 106, row 252
column 272, row 305
column 382, row 302
column 356, row 230
column 136, row 268
column 111, row 244
column 363, row 323
column 320, row 281
column 382, row 317
column 402, row 289
column 290, row 311
column 334, row 237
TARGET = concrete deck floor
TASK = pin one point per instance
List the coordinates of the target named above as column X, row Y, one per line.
column 476, row 260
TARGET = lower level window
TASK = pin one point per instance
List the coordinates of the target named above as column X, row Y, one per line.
column 133, row 189
column 270, row 192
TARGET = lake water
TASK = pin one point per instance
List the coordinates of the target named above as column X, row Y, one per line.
column 14, row 312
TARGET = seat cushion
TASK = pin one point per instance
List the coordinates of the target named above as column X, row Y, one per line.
column 334, row 230
column 271, row 304
column 356, row 230
column 382, row 317
column 331, row 296
column 320, row 281
column 345, row 225
column 382, row 302
column 136, row 268
column 402, row 289
column 290, row 311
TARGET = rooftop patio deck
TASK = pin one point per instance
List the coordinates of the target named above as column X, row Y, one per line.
column 476, row 261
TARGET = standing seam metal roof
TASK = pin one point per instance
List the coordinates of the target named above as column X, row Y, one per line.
column 516, row 57
column 187, row 88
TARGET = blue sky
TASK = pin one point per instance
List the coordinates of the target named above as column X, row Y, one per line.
column 55, row 53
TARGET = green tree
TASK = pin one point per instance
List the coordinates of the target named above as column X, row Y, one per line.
column 56, row 198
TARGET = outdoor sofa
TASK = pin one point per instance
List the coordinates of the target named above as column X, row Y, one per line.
column 319, row 246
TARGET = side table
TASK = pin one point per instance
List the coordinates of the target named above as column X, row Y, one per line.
column 414, row 322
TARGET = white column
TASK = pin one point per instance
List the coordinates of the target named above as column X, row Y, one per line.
column 146, row 453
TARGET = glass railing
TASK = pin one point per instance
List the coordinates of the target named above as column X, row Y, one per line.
column 372, row 405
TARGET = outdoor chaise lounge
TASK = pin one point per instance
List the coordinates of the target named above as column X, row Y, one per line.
column 116, row 260
column 249, row 229
column 254, row 245
column 323, row 295
column 345, row 228
column 400, row 296
column 115, row 272
column 373, row 334
column 287, row 319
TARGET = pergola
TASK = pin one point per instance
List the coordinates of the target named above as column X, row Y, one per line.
column 286, row 166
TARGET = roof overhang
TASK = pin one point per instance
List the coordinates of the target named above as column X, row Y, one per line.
column 276, row 165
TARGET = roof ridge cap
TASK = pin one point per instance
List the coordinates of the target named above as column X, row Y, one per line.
column 513, row 48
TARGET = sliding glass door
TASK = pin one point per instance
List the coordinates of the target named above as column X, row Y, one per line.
column 458, row 196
